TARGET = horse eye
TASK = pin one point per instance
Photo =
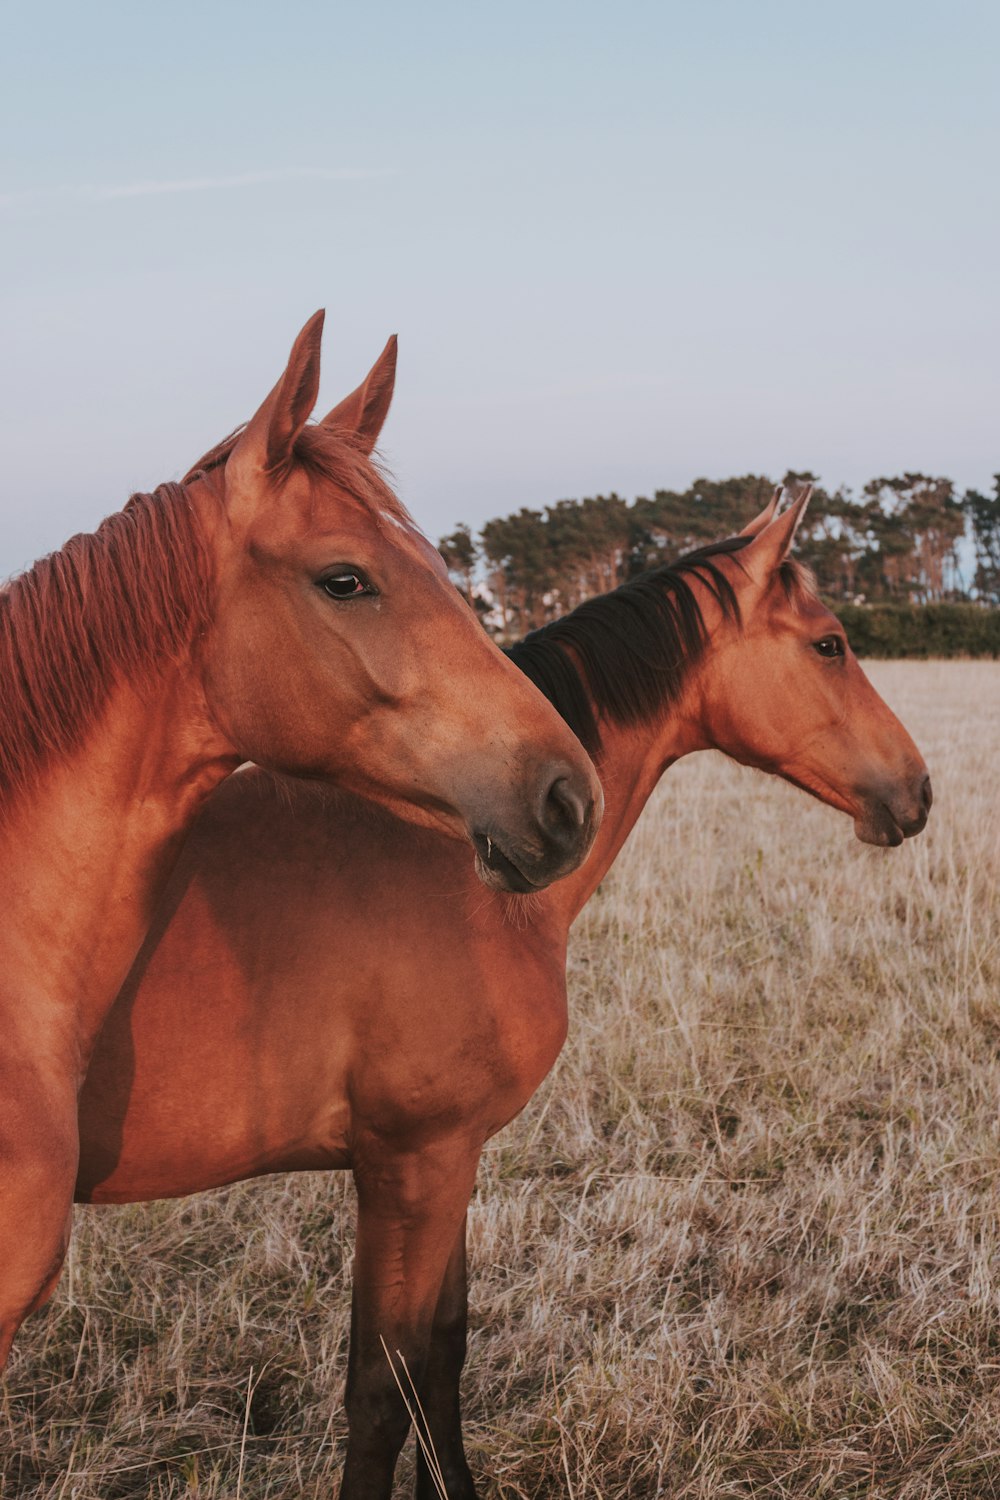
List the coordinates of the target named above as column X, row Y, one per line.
column 830, row 645
column 345, row 585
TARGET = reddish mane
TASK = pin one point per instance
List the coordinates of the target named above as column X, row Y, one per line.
column 110, row 606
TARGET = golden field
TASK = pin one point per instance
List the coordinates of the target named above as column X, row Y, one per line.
column 745, row 1241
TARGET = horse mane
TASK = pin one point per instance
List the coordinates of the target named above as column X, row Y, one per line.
column 626, row 655
column 111, row 606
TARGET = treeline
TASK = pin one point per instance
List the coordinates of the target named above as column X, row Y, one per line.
column 894, row 630
column 895, row 551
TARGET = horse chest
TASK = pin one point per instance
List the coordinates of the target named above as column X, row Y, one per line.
column 530, row 1020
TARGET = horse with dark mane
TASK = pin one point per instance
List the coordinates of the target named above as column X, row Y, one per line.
column 279, row 605
column 350, row 999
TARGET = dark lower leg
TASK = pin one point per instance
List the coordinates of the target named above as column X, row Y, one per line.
column 439, row 1392
column 377, row 1416
column 410, row 1208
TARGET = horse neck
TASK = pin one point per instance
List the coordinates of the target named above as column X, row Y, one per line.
column 631, row 761
column 86, row 847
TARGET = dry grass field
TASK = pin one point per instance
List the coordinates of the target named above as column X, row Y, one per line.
column 744, row 1242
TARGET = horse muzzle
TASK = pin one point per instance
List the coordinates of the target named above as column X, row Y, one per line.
column 565, row 814
column 889, row 816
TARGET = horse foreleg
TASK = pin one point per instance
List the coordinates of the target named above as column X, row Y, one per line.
column 38, row 1156
column 439, row 1394
column 411, row 1205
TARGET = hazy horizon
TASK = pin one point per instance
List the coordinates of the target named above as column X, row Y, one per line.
column 620, row 252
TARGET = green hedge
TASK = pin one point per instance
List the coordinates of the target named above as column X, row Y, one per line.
column 921, row 629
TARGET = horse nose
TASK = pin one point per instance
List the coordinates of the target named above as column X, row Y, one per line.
column 566, row 811
column 926, row 794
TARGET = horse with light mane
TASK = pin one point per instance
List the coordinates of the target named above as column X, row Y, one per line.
column 348, row 997
column 279, row 605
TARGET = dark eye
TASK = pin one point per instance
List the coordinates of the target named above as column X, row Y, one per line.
column 345, row 584
column 830, row 645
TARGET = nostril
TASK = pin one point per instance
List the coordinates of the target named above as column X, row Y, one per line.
column 926, row 794
column 564, row 807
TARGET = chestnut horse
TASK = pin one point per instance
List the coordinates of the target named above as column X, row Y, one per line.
column 349, row 998
column 279, row 606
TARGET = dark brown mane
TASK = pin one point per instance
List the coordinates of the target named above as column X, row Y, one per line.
column 630, row 651
column 110, row 606
column 331, row 455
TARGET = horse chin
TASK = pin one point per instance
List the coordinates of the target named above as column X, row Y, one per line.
column 497, row 872
column 876, row 825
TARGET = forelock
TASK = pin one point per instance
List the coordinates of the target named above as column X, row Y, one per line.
column 330, row 455
column 798, row 582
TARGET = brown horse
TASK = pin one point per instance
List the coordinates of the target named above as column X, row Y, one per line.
column 279, row 605
column 349, row 998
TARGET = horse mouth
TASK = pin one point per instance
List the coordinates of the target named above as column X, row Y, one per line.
column 497, row 870
column 877, row 825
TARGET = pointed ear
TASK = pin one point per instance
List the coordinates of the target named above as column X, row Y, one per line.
column 768, row 550
column 364, row 411
column 766, row 516
column 269, row 437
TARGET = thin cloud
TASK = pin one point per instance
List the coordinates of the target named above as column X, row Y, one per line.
column 156, row 187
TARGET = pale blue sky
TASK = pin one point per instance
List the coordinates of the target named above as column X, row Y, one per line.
column 622, row 245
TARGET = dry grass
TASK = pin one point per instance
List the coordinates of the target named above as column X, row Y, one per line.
column 744, row 1242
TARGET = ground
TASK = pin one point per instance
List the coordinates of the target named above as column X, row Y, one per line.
column 744, row 1241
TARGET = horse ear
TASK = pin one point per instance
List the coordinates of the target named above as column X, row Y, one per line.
column 769, row 548
column 364, row 411
column 766, row 516
column 266, row 444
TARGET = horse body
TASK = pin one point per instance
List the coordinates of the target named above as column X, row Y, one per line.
column 349, row 997
column 301, row 1011
column 141, row 665
column 309, row 1030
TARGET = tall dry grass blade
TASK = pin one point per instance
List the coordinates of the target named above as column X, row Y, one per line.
column 426, row 1443
column 251, row 1387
